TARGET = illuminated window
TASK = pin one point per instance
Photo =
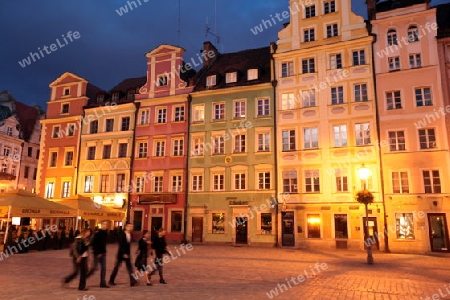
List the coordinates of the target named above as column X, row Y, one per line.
column 266, row 223
column 218, row 223
column 288, row 101
column 145, row 115
column 362, row 133
column 49, row 190
column 88, row 184
column 211, row 80
column 340, row 135
column 311, row 138
column 312, row 181
column 65, row 189
column 231, row 77
column 252, row 74
column 404, row 226
column 264, row 181
column 400, row 182
column 198, row 146
column 308, row 98
column 198, row 113
column 290, row 182
column 313, row 226
column 218, row 182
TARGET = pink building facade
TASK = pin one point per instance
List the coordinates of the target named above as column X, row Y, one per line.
column 160, row 149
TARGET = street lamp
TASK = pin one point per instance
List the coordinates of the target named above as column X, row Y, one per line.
column 366, row 198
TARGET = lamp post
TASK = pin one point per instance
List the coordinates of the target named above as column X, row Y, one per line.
column 366, row 197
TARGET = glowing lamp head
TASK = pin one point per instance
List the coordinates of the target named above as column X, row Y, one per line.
column 363, row 173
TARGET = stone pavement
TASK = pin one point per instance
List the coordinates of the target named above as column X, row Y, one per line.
column 226, row 272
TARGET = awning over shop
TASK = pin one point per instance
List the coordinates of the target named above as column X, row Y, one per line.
column 88, row 209
column 23, row 204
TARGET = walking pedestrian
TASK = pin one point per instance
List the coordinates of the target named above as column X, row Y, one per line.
column 80, row 259
column 99, row 249
column 142, row 254
column 160, row 246
column 123, row 255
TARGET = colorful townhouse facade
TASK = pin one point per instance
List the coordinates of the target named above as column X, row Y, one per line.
column 412, row 98
column 326, row 128
column 161, row 144
column 60, row 137
column 19, row 143
column 232, row 150
column 106, row 146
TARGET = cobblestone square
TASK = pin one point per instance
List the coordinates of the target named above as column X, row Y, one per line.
column 225, row 272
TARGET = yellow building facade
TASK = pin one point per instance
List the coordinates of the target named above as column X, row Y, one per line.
column 326, row 128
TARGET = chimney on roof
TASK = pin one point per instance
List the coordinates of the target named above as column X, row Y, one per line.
column 209, row 54
column 371, row 9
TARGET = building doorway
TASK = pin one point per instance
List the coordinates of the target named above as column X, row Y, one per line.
column 241, row 230
column 438, row 233
column 197, row 229
column 287, row 228
column 157, row 222
column 373, row 237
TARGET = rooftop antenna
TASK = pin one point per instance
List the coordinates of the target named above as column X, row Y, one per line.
column 179, row 23
column 208, row 29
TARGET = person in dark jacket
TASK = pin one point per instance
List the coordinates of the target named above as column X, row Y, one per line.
column 160, row 246
column 142, row 254
column 123, row 255
column 99, row 250
column 80, row 256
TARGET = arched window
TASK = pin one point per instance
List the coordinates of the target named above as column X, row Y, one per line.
column 413, row 34
column 392, row 37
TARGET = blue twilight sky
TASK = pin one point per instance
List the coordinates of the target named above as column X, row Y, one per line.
column 110, row 47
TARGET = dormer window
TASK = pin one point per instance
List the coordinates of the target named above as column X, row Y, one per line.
column 231, row 77
column 252, row 74
column 163, row 80
column 66, row 91
column 65, row 108
column 100, row 98
column 130, row 95
column 115, row 96
column 211, row 80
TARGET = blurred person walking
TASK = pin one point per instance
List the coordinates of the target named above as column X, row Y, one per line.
column 123, row 255
column 98, row 244
column 80, row 259
column 142, row 254
column 160, row 246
